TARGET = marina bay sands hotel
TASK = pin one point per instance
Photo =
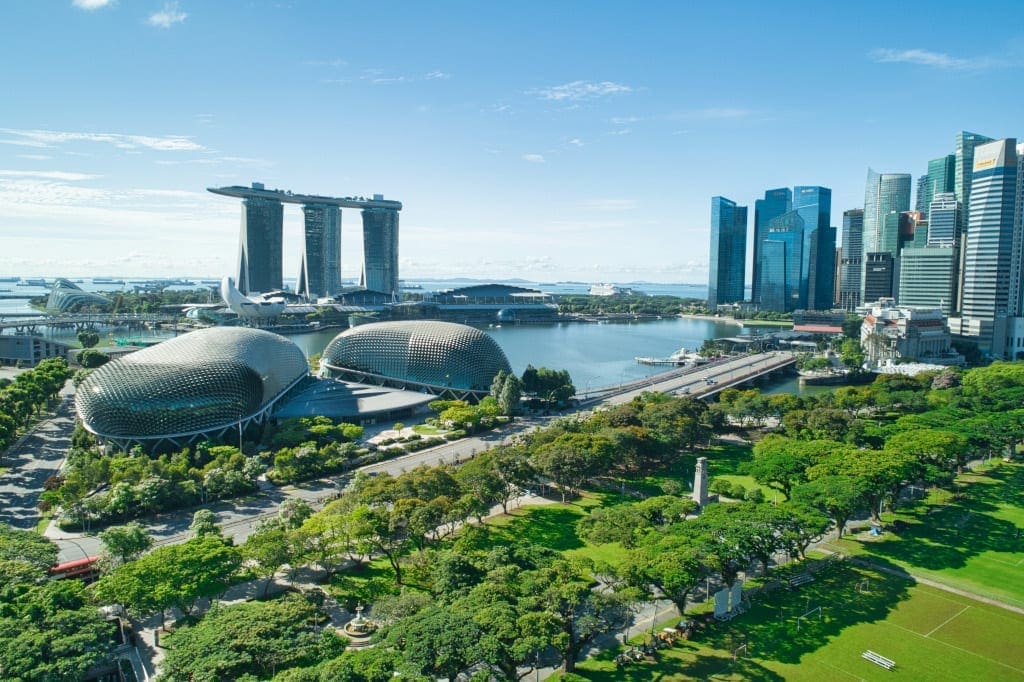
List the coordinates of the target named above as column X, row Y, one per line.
column 260, row 243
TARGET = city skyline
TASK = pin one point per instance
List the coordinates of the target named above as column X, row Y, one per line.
column 540, row 142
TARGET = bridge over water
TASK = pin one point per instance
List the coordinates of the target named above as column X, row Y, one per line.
column 22, row 324
column 703, row 381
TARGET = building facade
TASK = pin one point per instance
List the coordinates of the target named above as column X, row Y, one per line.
column 852, row 262
column 989, row 241
column 927, row 277
column 260, row 241
column 879, row 269
column 775, row 203
column 781, row 259
column 380, row 250
column 891, row 333
column 320, row 270
column 814, row 206
column 886, row 195
column 727, row 269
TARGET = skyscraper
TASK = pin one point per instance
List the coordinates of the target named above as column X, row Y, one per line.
column 941, row 178
column 380, row 250
column 987, row 296
column 884, row 194
column 879, row 268
column 962, row 173
column 320, row 273
column 928, row 276
column 814, row 206
column 259, row 249
column 944, row 220
column 726, row 274
column 775, row 203
column 781, row 259
column 851, row 264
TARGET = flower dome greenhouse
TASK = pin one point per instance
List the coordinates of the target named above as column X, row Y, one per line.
column 194, row 386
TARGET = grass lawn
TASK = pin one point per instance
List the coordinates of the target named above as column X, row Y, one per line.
column 930, row 634
column 724, row 460
column 428, row 430
column 970, row 543
column 554, row 526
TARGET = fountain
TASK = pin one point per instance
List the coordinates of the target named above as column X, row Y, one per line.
column 359, row 629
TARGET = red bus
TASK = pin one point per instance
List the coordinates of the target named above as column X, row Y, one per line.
column 86, row 569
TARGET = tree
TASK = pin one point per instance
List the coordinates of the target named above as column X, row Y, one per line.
column 669, row 563
column 171, row 576
column 511, row 394
column 572, row 459
column 838, row 496
column 435, row 642
column 91, row 358
column 269, row 549
column 88, row 338
column 204, row 522
column 562, row 592
column 778, row 461
column 31, row 550
column 254, row 638
column 50, row 631
column 125, row 543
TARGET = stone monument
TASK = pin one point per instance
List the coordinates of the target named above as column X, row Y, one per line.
column 700, row 482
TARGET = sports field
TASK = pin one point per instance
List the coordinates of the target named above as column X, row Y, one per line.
column 929, row 633
column 971, row 543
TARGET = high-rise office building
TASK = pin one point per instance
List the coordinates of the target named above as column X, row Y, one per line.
column 775, row 203
column 879, row 270
column 781, row 259
column 320, row 271
column 726, row 274
column 928, row 277
column 885, row 194
column 259, row 249
column 940, row 178
column 851, row 265
column 814, row 206
column 963, row 167
column 944, row 220
column 380, row 250
column 987, row 297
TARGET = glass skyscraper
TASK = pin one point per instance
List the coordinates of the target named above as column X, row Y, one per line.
column 941, row 177
column 852, row 259
column 818, row 260
column 943, row 220
column 727, row 271
column 775, row 203
column 884, row 194
column 781, row 261
column 927, row 277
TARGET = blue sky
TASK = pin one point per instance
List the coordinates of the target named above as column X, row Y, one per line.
column 547, row 140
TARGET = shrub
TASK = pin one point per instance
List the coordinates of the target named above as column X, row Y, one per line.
column 721, row 486
column 737, row 491
column 455, row 435
column 754, row 495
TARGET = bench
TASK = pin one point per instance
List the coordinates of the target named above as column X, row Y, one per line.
column 879, row 660
column 802, row 579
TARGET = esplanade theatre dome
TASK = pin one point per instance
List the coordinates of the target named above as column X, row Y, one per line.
column 440, row 357
column 192, row 386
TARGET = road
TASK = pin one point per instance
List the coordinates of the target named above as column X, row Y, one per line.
column 29, row 462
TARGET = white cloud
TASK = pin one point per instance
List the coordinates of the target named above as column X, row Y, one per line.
column 35, row 157
column 47, row 138
column 167, row 17
column 437, row 75
column 533, row 158
column 91, row 4
column 580, row 90
column 576, row 142
column 939, row 60
column 608, row 204
column 48, row 175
